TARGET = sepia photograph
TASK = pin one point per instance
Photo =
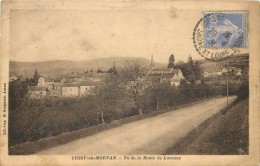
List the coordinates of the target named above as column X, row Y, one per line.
column 129, row 80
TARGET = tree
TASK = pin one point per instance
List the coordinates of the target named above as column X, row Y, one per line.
column 243, row 91
column 190, row 61
column 17, row 91
column 132, row 71
column 163, row 94
column 185, row 91
column 111, row 97
column 197, row 71
column 35, row 78
column 113, row 69
column 190, row 70
column 131, row 76
column 171, row 61
column 190, row 64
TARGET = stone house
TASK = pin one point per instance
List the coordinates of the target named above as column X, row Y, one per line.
column 53, row 87
column 238, row 72
column 99, row 77
column 13, row 78
column 57, row 85
column 85, row 88
column 36, row 92
column 41, row 82
column 49, row 84
column 156, row 76
column 70, row 90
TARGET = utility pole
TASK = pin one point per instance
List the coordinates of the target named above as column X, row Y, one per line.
column 227, row 82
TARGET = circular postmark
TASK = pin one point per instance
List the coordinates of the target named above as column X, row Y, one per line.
column 210, row 53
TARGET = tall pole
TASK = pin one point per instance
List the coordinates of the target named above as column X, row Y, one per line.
column 227, row 86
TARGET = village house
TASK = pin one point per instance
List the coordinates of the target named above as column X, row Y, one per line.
column 49, row 84
column 212, row 73
column 222, row 70
column 156, row 76
column 85, row 88
column 57, row 85
column 56, row 88
column 36, row 92
column 70, row 90
column 41, row 82
column 99, row 77
column 63, row 79
column 153, row 80
column 73, row 86
column 238, row 72
column 53, row 87
column 174, row 76
column 69, row 86
column 13, row 78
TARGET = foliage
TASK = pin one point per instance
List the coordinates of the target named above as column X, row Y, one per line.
column 130, row 77
column 132, row 71
column 98, row 71
column 191, row 70
column 243, row 91
column 17, row 91
column 113, row 69
column 111, row 97
column 35, row 78
column 171, row 61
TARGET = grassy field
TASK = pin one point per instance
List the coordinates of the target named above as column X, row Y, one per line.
column 226, row 133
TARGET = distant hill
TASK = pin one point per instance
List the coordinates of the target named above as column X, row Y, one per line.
column 234, row 61
column 59, row 67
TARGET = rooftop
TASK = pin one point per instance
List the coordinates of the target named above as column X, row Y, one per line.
column 90, row 83
column 153, row 78
column 164, row 71
column 70, row 85
column 85, row 83
column 36, row 88
column 168, row 75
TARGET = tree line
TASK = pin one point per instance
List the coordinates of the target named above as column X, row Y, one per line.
column 123, row 95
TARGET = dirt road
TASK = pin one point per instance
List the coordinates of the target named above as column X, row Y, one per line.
column 148, row 136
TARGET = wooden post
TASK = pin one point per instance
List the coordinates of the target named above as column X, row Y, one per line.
column 227, row 83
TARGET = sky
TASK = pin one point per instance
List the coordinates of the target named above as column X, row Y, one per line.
column 84, row 34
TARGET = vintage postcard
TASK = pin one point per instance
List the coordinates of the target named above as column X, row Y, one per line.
column 129, row 82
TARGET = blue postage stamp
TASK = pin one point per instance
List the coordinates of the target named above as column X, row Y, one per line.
column 225, row 29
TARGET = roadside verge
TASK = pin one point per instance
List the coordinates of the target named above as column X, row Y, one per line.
column 226, row 133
